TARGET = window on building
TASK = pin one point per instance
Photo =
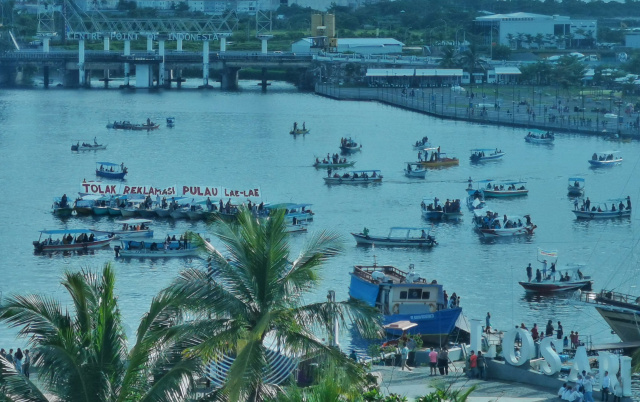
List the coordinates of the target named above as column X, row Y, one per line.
column 415, row 294
column 403, row 295
column 426, row 295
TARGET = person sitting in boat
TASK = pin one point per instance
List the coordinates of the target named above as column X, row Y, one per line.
column 613, row 207
column 538, row 275
column 355, row 175
column 338, row 176
column 374, row 175
column 91, row 238
column 576, row 184
column 528, row 218
column 621, row 206
column 580, row 275
column 423, row 235
column 408, row 167
column 365, row 232
column 599, row 209
column 567, row 278
column 628, row 203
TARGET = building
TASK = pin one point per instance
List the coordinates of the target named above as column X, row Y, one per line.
column 503, row 75
column 632, row 40
column 369, row 46
column 526, row 30
column 410, row 77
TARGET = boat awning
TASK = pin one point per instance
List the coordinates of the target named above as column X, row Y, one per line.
column 364, row 171
column 484, row 149
column 536, row 131
column 135, row 221
column 107, row 163
column 287, row 205
column 484, row 181
column 401, row 325
column 66, row 231
column 580, row 179
column 408, row 228
column 609, row 152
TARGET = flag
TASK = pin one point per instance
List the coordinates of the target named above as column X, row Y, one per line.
column 548, row 253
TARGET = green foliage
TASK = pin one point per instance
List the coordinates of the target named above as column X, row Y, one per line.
column 417, row 338
column 375, row 395
column 259, row 289
column 81, row 352
column 447, row 394
column 501, row 52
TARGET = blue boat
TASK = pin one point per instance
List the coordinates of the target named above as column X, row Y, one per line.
column 111, row 170
column 405, row 296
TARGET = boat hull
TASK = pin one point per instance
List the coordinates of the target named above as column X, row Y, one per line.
column 39, row 247
column 510, row 232
column 162, row 213
column 296, row 132
column 89, row 148
column 161, row 253
column 362, row 240
column 350, row 150
column 556, row 287
column 129, row 234
column 129, row 213
column 487, row 158
column 114, row 211
column 179, row 214
column 100, row 210
column 504, row 193
column 63, row 211
column 84, row 210
column 576, row 191
column 340, row 180
column 441, row 163
column 533, row 140
column 195, row 215
column 432, row 324
column 596, row 163
column 624, row 322
column 602, row 215
column 433, row 215
column 110, row 175
column 147, row 213
column 332, row 165
column 418, row 174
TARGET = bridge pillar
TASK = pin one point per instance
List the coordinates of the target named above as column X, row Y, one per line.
column 105, row 76
column 45, row 44
column 45, row 76
column 264, row 46
column 205, row 65
column 264, row 84
column 229, row 78
column 179, row 44
column 127, row 72
column 149, row 43
column 144, row 76
column 223, row 45
column 82, row 77
column 161, row 66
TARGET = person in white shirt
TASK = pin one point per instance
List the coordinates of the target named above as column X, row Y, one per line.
column 567, row 393
column 562, row 389
column 588, row 388
column 606, row 383
column 575, row 396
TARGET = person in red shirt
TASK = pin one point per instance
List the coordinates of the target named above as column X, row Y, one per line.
column 534, row 333
column 473, row 365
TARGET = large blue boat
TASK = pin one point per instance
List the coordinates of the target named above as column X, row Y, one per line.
column 405, row 296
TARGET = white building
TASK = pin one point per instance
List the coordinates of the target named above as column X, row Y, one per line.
column 632, row 40
column 521, row 29
column 369, row 46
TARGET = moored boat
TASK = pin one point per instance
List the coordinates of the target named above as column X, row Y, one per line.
column 605, row 159
column 491, row 224
column 405, row 296
column 621, row 311
column 415, row 169
column 486, row 154
column 589, row 211
column 434, row 158
column 111, row 170
column 423, row 238
column 69, row 240
column 347, row 145
column 131, row 228
column 293, row 213
column 576, row 186
column 61, row 206
column 540, row 137
column 355, row 177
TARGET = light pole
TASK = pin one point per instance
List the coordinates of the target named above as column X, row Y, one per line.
column 464, row 34
column 491, row 38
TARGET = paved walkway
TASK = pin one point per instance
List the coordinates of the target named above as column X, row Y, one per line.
column 418, row 383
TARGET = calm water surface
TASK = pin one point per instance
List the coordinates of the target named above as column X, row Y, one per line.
column 241, row 139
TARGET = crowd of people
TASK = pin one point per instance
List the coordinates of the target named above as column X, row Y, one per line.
column 448, row 207
column 423, row 142
column 21, row 361
column 583, row 388
column 491, row 220
column 331, row 159
column 587, row 207
column 601, row 158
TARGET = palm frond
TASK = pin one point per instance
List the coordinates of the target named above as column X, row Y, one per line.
column 17, row 387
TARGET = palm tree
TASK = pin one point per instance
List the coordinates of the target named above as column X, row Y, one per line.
column 449, row 57
column 83, row 357
column 257, row 292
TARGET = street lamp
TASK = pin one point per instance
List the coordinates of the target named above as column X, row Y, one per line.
column 464, row 35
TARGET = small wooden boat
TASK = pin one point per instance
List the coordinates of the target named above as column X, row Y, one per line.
column 328, row 165
column 61, row 206
column 476, row 200
column 486, row 154
column 355, row 177
column 491, row 224
column 556, row 279
column 602, row 211
column 111, row 170
column 156, row 248
column 415, row 170
column 505, row 189
column 576, row 186
column 433, row 210
column 171, row 121
column 300, row 131
column 347, row 146
column 127, row 125
column 293, row 213
column 605, row 159
column 434, row 158
column 422, row 144
column 540, row 137
column 424, row 238
column 131, row 228
column 88, row 147
column 69, row 240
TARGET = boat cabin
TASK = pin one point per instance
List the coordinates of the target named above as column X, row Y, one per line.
column 110, row 167
column 394, row 291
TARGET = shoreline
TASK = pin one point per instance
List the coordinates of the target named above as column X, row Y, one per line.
column 446, row 104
